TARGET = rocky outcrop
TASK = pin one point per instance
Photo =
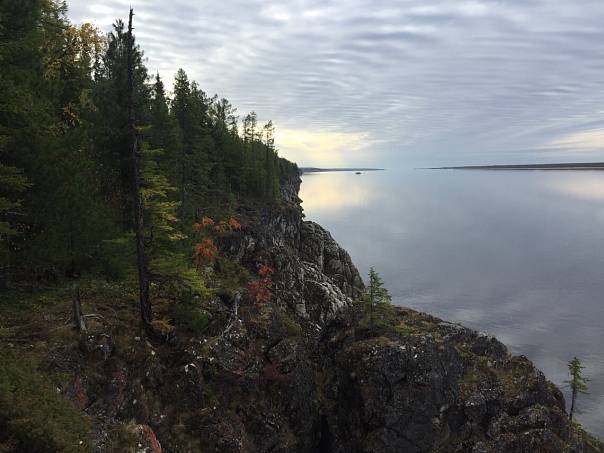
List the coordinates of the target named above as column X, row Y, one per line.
column 314, row 275
column 319, row 248
column 420, row 385
column 439, row 387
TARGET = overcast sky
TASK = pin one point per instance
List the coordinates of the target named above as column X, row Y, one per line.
column 391, row 83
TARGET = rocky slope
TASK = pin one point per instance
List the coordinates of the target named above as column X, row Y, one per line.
column 300, row 373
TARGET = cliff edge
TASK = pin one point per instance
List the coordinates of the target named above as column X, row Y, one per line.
column 293, row 374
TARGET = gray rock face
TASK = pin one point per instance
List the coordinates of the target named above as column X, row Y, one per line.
column 434, row 391
column 387, row 395
column 433, row 386
column 314, row 276
column 319, row 248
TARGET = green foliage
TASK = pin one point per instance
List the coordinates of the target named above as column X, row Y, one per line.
column 577, row 382
column 11, row 181
column 189, row 313
column 575, row 370
column 404, row 329
column 289, row 327
column 67, row 195
column 376, row 303
column 232, row 275
column 33, row 416
column 116, row 257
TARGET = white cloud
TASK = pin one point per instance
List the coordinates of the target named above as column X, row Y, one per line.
column 327, row 148
column 592, row 139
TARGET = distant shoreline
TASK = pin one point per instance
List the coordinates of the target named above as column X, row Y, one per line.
column 560, row 166
column 325, row 170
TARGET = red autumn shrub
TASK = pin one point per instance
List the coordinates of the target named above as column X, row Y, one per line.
column 265, row 270
column 204, row 252
column 207, row 221
column 203, row 223
column 261, row 289
column 234, row 224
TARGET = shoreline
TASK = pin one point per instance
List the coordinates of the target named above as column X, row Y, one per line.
column 560, row 166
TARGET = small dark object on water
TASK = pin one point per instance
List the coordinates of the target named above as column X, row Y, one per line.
column 358, row 173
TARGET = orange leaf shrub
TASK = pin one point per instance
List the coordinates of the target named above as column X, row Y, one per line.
column 204, row 252
column 234, row 224
column 221, row 227
column 261, row 289
column 204, row 222
column 207, row 221
column 265, row 271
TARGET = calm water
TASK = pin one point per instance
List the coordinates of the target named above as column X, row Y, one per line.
column 519, row 255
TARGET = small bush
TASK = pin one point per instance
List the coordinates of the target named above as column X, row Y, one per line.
column 189, row 314
column 290, row 327
column 404, row 329
column 232, row 275
column 33, row 415
column 115, row 258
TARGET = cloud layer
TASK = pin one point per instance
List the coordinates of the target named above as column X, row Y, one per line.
column 408, row 82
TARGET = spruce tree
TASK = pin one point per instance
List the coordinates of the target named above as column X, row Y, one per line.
column 577, row 382
column 376, row 297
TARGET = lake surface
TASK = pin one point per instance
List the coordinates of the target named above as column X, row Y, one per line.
column 517, row 254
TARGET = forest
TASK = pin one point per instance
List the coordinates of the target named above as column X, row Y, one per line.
column 98, row 160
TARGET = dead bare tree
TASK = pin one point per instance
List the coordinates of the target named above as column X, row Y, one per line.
column 142, row 261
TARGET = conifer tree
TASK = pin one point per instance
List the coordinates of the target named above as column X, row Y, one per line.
column 376, row 296
column 577, row 382
column 111, row 137
column 168, row 265
column 79, row 172
column 181, row 112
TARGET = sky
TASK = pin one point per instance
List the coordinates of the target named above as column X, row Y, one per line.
column 404, row 83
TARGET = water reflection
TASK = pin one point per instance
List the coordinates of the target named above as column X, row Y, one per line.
column 589, row 187
column 339, row 194
column 517, row 254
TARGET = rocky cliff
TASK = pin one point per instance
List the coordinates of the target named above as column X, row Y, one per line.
column 300, row 373
column 424, row 385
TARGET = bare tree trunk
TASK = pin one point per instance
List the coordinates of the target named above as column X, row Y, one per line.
column 234, row 317
column 78, row 317
column 371, row 303
column 143, row 272
column 183, row 180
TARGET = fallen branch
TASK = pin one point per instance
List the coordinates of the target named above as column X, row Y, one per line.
column 234, row 314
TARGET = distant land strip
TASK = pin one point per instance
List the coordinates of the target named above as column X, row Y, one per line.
column 562, row 166
column 322, row 170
